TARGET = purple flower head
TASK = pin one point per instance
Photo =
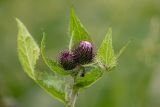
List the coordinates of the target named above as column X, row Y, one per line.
column 84, row 54
column 67, row 61
column 85, row 44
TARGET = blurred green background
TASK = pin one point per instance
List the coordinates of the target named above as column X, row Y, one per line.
column 134, row 83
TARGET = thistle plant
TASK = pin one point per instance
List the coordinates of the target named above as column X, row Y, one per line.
column 77, row 68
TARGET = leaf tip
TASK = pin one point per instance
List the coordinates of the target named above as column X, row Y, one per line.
column 44, row 36
column 43, row 41
column 122, row 49
column 109, row 30
column 72, row 10
column 108, row 34
column 18, row 21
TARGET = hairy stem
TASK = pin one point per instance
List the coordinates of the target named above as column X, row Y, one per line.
column 74, row 95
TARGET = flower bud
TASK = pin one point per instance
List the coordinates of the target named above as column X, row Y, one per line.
column 84, row 54
column 67, row 61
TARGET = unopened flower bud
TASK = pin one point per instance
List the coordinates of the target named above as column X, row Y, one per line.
column 84, row 54
column 67, row 61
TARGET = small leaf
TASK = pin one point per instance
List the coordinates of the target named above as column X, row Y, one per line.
column 77, row 31
column 122, row 49
column 28, row 50
column 53, row 65
column 90, row 77
column 53, row 85
column 105, row 53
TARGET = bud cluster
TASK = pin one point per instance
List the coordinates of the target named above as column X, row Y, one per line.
column 83, row 54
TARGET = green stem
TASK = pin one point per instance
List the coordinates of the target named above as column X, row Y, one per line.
column 74, row 95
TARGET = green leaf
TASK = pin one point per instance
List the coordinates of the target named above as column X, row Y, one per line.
column 105, row 53
column 122, row 49
column 53, row 65
column 28, row 50
column 90, row 77
column 53, row 85
column 77, row 31
column 28, row 53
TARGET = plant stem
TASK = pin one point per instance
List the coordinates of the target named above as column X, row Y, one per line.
column 74, row 95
